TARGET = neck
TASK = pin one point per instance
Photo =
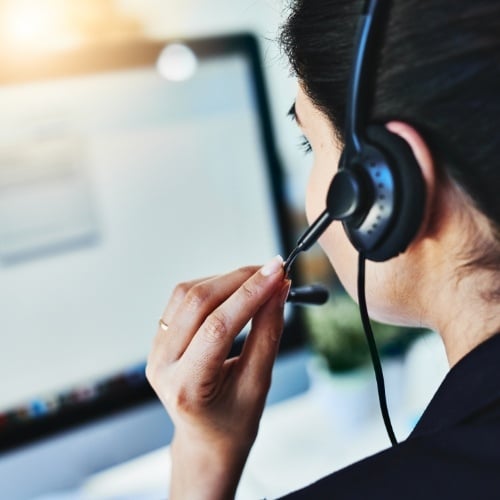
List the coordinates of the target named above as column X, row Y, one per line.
column 455, row 302
column 466, row 320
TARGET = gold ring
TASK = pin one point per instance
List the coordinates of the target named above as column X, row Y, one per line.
column 163, row 325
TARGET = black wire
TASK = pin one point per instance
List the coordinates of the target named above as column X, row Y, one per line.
column 290, row 260
column 379, row 376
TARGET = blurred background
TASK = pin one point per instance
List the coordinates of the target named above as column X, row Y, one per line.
column 30, row 28
column 99, row 176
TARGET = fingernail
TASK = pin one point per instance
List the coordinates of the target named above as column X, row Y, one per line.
column 273, row 266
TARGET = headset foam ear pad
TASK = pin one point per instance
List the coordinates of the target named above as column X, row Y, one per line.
column 409, row 193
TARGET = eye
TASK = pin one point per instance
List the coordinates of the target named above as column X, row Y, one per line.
column 305, row 145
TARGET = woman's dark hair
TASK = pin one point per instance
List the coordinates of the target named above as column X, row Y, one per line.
column 438, row 69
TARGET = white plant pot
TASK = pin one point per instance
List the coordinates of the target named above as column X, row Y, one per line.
column 348, row 398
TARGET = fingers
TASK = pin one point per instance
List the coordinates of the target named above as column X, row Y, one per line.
column 210, row 346
column 178, row 296
column 262, row 343
column 160, row 342
column 191, row 303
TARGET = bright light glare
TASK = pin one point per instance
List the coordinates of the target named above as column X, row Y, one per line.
column 25, row 22
column 177, row 62
column 31, row 23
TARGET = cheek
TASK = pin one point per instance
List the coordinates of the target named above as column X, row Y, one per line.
column 334, row 241
column 320, row 178
column 342, row 255
column 315, row 196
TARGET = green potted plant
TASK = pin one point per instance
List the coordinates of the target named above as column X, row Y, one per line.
column 336, row 333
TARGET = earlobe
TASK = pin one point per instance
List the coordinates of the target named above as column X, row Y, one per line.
column 424, row 159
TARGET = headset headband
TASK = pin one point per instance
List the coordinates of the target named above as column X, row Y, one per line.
column 358, row 90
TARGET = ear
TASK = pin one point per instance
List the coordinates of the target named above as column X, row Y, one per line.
column 426, row 162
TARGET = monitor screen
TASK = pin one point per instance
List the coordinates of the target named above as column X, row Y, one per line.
column 117, row 181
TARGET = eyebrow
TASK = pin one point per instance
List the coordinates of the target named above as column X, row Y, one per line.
column 293, row 114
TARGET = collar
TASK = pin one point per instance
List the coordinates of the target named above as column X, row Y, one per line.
column 469, row 387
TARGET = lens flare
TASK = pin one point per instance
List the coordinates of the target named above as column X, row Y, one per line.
column 177, row 62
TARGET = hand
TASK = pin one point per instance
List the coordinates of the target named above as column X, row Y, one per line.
column 216, row 403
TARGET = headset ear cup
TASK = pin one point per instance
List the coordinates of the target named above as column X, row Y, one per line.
column 409, row 193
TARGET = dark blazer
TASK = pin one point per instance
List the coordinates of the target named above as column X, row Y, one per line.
column 453, row 452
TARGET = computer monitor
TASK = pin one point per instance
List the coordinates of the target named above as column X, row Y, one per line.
column 123, row 170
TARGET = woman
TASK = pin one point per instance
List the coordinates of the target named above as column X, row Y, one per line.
column 437, row 87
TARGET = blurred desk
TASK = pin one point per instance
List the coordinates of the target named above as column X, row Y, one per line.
column 299, row 441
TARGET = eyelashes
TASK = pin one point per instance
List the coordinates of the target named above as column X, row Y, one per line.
column 305, row 145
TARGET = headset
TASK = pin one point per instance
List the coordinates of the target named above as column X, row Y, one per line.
column 378, row 192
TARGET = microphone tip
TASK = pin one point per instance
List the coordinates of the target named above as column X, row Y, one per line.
column 308, row 295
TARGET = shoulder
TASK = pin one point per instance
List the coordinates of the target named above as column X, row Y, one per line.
column 459, row 463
